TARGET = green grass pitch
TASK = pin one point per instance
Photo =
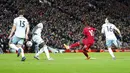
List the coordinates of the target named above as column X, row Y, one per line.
column 66, row 63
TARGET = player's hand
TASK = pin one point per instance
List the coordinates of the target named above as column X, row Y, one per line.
column 9, row 40
column 9, row 37
column 102, row 37
column 120, row 35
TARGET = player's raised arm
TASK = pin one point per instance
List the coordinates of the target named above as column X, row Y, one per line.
column 34, row 29
column 118, row 31
column 27, row 31
column 102, row 31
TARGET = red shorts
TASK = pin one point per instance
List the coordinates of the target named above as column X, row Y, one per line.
column 88, row 42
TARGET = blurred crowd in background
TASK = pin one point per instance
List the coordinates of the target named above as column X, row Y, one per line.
column 64, row 19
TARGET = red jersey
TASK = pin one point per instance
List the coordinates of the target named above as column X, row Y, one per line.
column 89, row 32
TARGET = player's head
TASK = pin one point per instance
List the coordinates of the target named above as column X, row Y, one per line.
column 40, row 25
column 21, row 12
column 43, row 22
column 87, row 25
column 106, row 20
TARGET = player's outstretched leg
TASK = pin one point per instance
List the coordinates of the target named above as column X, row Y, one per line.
column 85, row 52
column 66, row 46
column 36, row 48
column 19, row 52
column 72, row 45
column 22, row 53
column 16, row 48
column 47, row 53
column 37, row 54
column 111, row 53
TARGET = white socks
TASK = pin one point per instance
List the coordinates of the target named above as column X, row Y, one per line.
column 16, row 48
column 46, row 52
column 22, row 52
column 36, row 48
column 39, row 52
column 111, row 52
column 13, row 47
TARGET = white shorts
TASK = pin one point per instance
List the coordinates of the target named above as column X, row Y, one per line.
column 16, row 40
column 37, row 39
column 110, row 42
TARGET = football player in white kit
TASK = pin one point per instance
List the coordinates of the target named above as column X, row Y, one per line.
column 108, row 30
column 19, row 33
column 39, row 41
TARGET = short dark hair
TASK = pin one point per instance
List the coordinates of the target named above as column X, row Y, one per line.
column 21, row 12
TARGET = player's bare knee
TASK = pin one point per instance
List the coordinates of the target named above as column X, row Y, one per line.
column 19, row 46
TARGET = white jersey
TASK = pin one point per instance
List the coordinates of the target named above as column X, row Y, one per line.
column 21, row 25
column 37, row 34
column 38, row 31
column 108, row 30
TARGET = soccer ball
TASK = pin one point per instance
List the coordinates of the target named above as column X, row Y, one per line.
column 29, row 43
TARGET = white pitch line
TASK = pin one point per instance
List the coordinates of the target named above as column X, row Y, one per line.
column 80, row 58
column 92, row 58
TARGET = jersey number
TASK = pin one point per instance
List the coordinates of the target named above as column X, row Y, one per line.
column 22, row 23
column 91, row 32
column 109, row 29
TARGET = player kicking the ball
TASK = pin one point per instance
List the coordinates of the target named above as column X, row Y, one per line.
column 39, row 41
column 18, row 33
column 108, row 30
column 86, row 42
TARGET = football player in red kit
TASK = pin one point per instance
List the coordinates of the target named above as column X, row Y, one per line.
column 86, row 42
